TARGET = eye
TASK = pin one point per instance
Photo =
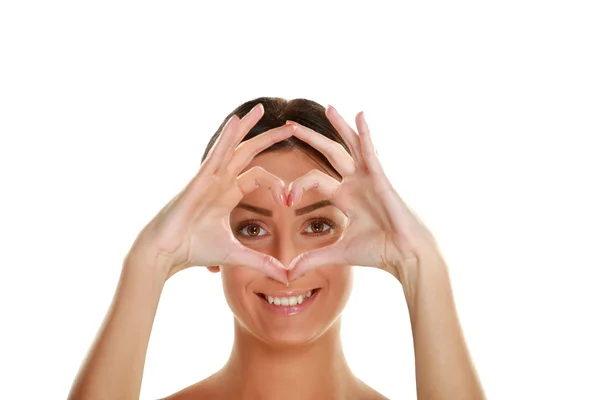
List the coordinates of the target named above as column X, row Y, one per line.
column 319, row 227
column 251, row 230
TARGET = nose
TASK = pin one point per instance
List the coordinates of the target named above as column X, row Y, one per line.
column 285, row 250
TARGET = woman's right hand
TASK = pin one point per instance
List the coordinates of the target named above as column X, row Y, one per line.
column 193, row 229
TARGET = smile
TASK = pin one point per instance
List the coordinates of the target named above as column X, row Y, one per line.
column 288, row 303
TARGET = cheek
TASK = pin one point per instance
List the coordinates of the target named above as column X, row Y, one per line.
column 235, row 284
column 340, row 280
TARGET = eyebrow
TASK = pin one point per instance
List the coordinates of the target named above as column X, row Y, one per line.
column 298, row 212
column 313, row 207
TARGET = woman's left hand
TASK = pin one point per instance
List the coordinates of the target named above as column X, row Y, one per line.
column 382, row 231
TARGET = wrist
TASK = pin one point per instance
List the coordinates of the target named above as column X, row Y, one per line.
column 419, row 272
column 149, row 265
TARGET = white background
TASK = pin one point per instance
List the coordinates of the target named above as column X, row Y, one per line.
column 486, row 117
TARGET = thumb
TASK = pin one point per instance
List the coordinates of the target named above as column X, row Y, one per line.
column 325, row 256
column 264, row 263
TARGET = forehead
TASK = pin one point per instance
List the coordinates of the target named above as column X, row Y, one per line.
column 289, row 165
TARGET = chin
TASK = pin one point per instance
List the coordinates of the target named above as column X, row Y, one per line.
column 289, row 325
column 292, row 316
column 290, row 336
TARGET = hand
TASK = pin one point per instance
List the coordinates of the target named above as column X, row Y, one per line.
column 193, row 228
column 382, row 231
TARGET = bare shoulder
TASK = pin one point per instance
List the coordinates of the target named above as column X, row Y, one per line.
column 372, row 395
column 211, row 389
column 375, row 395
column 205, row 389
column 368, row 393
column 211, row 392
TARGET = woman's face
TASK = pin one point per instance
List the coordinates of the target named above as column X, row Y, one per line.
column 259, row 302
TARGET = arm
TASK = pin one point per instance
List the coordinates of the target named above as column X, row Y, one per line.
column 114, row 365
column 390, row 236
column 442, row 363
column 191, row 230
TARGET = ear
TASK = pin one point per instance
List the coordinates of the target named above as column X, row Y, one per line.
column 214, row 268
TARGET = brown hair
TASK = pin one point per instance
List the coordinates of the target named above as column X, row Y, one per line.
column 277, row 110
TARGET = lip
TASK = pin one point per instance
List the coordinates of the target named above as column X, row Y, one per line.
column 287, row 293
column 289, row 310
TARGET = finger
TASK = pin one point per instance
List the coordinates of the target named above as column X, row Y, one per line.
column 335, row 153
column 311, row 260
column 215, row 156
column 258, row 176
column 263, row 263
column 188, row 198
column 246, row 151
column 368, row 150
column 312, row 180
column 347, row 133
column 246, row 123
column 231, row 137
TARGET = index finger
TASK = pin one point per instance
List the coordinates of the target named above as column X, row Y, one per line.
column 335, row 152
column 325, row 256
column 246, row 123
column 230, row 136
column 264, row 263
column 246, row 151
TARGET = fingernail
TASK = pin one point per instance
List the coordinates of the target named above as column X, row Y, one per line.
column 256, row 107
column 291, row 199
column 228, row 122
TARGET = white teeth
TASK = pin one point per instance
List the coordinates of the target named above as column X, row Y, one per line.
column 289, row 301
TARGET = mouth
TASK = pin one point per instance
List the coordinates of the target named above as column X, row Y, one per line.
column 289, row 303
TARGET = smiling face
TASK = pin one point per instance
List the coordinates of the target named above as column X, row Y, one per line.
column 266, row 308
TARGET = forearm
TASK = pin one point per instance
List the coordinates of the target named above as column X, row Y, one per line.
column 114, row 365
column 443, row 366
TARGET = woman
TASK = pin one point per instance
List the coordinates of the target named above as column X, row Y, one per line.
column 287, row 198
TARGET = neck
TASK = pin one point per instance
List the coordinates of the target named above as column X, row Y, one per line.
column 314, row 370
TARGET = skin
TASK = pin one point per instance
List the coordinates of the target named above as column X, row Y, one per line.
column 289, row 349
column 377, row 230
